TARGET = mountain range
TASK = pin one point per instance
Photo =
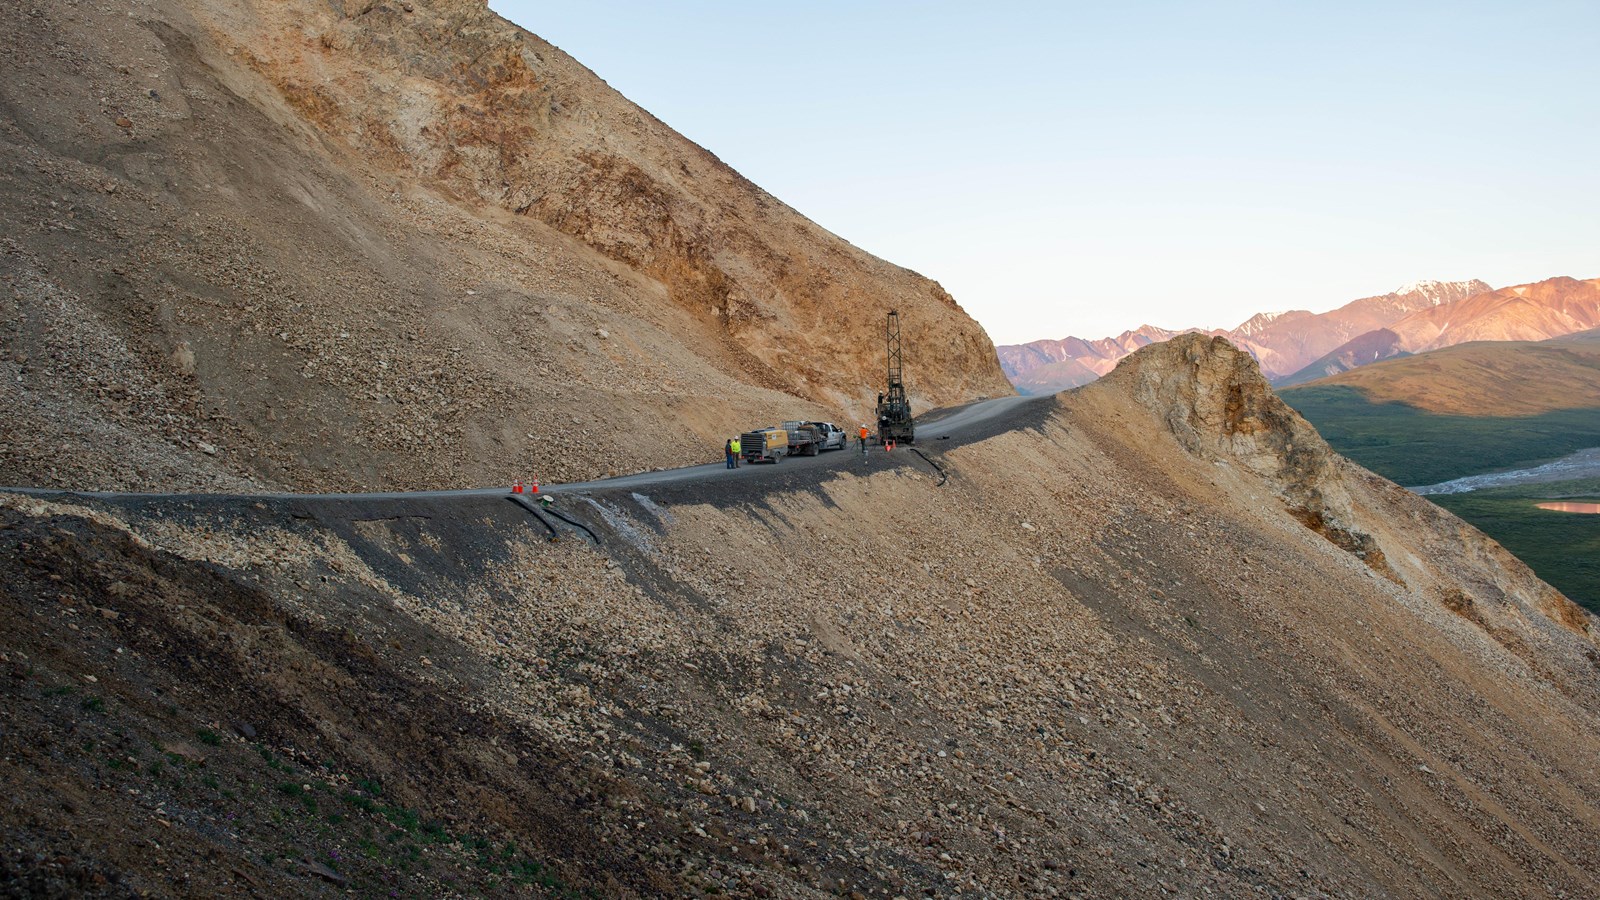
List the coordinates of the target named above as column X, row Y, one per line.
column 1298, row 346
column 1530, row 312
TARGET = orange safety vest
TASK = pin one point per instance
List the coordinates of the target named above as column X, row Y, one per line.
column 863, row 432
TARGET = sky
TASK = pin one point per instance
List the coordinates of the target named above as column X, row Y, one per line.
column 1082, row 169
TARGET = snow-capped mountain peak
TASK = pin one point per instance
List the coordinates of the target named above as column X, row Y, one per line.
column 1256, row 323
column 1438, row 292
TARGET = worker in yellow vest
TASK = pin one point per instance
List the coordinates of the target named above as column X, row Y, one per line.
column 736, row 450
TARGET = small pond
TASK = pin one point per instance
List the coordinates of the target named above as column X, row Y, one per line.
column 1569, row 506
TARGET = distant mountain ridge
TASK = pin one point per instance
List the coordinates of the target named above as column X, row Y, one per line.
column 1480, row 378
column 1538, row 311
column 1282, row 342
column 1074, row 361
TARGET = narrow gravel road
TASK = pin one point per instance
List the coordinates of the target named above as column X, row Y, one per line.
column 947, row 428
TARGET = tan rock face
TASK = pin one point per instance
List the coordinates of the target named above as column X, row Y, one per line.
column 451, row 93
column 1214, row 400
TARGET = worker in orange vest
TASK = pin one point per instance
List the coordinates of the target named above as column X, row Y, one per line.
column 863, row 439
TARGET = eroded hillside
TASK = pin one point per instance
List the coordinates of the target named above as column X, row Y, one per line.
column 1154, row 638
column 380, row 245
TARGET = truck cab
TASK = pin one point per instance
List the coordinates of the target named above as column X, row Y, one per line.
column 832, row 437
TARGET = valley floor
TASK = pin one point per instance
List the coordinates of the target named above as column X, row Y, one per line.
column 1584, row 463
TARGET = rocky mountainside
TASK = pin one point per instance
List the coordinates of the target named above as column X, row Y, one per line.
column 353, row 244
column 1529, row 312
column 1374, row 346
column 1157, row 639
column 1282, row 342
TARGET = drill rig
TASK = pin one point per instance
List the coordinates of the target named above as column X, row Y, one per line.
column 894, row 410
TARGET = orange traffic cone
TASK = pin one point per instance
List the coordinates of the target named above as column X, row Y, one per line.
column 516, row 486
column 534, row 483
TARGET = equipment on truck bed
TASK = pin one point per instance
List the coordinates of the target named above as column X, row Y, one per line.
column 805, row 438
column 811, row 438
column 894, row 410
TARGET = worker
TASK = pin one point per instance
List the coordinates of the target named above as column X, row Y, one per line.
column 737, row 451
column 863, row 439
column 727, row 453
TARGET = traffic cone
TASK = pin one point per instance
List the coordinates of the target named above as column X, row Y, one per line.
column 516, row 486
column 534, row 482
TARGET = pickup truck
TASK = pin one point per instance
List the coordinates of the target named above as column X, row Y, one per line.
column 811, row 438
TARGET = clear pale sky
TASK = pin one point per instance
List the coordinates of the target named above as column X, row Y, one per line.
column 1067, row 168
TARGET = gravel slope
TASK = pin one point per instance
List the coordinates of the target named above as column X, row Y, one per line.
column 1158, row 640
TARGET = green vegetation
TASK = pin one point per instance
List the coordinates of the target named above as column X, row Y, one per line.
column 1563, row 548
column 1413, row 447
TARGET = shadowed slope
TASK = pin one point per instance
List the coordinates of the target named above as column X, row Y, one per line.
column 1160, row 640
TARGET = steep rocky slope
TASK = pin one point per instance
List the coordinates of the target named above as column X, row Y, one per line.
column 1283, row 343
column 1156, row 639
column 358, row 245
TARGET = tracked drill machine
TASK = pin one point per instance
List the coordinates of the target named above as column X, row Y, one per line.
column 894, row 410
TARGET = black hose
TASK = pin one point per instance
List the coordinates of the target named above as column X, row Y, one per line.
column 576, row 524
column 943, row 476
column 527, row 505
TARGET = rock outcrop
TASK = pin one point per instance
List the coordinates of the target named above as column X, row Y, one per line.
column 1214, row 400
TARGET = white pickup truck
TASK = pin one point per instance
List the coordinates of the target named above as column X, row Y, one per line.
column 811, row 438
